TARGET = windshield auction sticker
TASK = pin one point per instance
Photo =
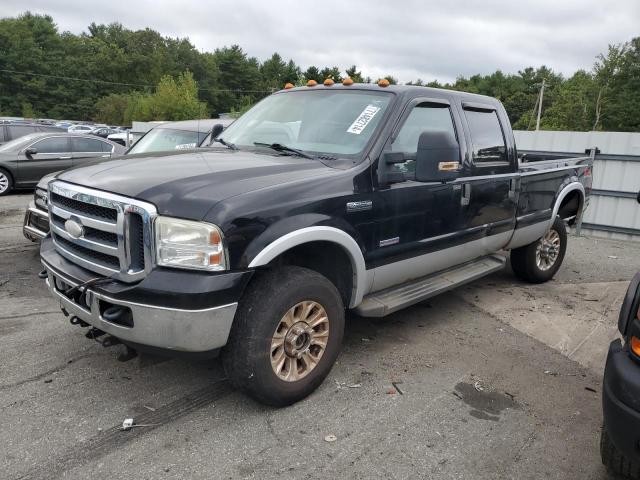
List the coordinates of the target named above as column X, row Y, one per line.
column 363, row 119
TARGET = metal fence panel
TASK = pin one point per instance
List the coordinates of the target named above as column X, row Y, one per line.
column 613, row 211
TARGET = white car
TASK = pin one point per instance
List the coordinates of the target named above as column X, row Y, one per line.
column 80, row 129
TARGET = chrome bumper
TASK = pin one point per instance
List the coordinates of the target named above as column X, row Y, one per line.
column 161, row 327
column 28, row 229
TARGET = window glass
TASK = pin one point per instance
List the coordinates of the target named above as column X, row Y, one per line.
column 486, row 137
column 52, row 145
column 163, row 139
column 86, row 145
column 423, row 117
column 106, row 147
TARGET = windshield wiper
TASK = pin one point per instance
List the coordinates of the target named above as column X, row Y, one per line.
column 225, row 143
column 278, row 147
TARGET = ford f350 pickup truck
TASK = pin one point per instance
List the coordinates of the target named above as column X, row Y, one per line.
column 320, row 198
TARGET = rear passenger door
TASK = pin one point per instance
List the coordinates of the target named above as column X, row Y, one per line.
column 490, row 181
column 86, row 147
column 51, row 155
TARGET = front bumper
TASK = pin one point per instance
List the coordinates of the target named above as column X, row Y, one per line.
column 621, row 400
column 36, row 223
column 167, row 309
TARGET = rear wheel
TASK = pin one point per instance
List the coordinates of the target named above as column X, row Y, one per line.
column 615, row 461
column 6, row 182
column 286, row 335
column 539, row 261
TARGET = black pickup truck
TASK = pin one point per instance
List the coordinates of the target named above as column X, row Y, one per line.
column 318, row 199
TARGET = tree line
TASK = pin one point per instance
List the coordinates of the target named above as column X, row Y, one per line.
column 113, row 74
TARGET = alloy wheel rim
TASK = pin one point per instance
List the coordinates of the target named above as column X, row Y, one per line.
column 299, row 341
column 4, row 183
column 548, row 250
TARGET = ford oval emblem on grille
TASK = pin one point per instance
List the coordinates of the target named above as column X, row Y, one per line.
column 73, row 228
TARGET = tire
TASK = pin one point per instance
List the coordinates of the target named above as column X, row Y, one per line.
column 533, row 266
column 614, row 460
column 273, row 309
column 6, row 182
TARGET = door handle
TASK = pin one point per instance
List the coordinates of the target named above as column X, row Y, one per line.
column 106, row 156
column 466, row 194
column 65, row 158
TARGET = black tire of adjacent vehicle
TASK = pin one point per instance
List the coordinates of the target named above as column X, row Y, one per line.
column 615, row 461
column 10, row 178
column 523, row 259
column 270, row 295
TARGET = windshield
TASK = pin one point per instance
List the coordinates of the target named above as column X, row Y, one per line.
column 163, row 139
column 337, row 122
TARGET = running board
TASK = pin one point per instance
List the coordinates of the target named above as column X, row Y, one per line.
column 392, row 299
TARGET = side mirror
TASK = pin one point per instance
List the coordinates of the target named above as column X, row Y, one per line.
column 30, row 151
column 216, row 130
column 638, row 197
column 438, row 157
column 630, row 306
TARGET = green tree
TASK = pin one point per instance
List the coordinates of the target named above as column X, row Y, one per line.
column 355, row 75
column 332, row 73
column 312, row 73
column 239, row 77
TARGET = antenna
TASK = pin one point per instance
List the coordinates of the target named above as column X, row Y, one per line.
column 540, row 105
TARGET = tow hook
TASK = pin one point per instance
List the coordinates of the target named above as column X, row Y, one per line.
column 94, row 333
column 76, row 321
column 43, row 274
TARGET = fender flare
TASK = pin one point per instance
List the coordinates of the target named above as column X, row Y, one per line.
column 325, row 234
column 571, row 187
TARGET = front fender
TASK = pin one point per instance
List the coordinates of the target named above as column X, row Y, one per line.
column 300, row 229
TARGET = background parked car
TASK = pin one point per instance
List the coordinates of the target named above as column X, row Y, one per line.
column 13, row 130
column 23, row 162
column 80, row 129
column 104, row 132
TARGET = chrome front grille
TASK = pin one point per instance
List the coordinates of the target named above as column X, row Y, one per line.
column 115, row 234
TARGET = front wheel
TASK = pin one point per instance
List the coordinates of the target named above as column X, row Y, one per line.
column 6, row 182
column 286, row 335
column 539, row 261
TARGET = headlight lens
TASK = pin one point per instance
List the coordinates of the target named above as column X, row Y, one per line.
column 188, row 244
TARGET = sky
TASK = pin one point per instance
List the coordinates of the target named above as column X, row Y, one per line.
column 408, row 39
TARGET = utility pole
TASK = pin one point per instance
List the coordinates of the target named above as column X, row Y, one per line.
column 540, row 105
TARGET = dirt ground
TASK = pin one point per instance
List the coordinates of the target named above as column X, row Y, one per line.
column 498, row 379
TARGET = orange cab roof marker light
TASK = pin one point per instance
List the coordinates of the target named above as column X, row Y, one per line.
column 328, row 82
column 312, row 83
column 287, row 86
column 347, row 81
column 383, row 82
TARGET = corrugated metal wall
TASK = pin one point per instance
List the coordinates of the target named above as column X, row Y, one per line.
column 614, row 211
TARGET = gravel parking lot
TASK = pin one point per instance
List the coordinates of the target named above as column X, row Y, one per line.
column 498, row 379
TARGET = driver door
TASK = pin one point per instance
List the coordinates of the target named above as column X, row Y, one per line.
column 51, row 155
column 415, row 220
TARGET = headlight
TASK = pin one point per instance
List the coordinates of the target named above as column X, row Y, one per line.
column 188, row 244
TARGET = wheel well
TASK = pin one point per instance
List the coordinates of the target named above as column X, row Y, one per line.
column 327, row 258
column 571, row 205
